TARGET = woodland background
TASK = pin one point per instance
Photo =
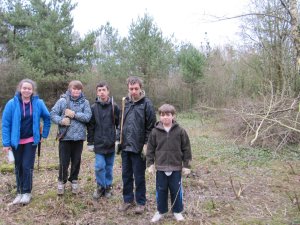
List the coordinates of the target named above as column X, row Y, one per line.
column 246, row 93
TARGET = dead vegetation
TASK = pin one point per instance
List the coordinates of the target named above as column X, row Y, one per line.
column 271, row 121
column 228, row 185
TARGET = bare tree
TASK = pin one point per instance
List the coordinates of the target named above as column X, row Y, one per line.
column 267, row 29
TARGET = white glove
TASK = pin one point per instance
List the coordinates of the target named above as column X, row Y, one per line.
column 65, row 121
column 90, row 148
column 186, row 171
column 69, row 113
column 151, row 169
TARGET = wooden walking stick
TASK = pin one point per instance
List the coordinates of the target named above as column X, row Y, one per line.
column 122, row 121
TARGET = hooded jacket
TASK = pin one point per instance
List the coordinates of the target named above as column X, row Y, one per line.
column 139, row 119
column 102, row 126
column 170, row 151
column 81, row 107
column 11, row 121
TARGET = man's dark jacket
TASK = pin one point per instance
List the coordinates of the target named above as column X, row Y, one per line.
column 139, row 119
column 102, row 126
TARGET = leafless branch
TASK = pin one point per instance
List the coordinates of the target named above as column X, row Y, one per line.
column 218, row 19
column 239, row 192
column 292, row 168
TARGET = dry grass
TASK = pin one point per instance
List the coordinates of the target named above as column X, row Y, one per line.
column 270, row 187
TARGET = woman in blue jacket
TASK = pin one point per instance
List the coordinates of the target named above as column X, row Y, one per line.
column 21, row 134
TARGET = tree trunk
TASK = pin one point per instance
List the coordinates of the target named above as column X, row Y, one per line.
column 295, row 30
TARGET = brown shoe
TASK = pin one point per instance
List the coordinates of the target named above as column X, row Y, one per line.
column 139, row 209
column 125, row 206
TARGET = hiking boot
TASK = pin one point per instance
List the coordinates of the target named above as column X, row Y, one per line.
column 108, row 192
column 25, row 198
column 139, row 209
column 17, row 199
column 178, row 216
column 99, row 192
column 75, row 187
column 126, row 205
column 60, row 188
column 157, row 216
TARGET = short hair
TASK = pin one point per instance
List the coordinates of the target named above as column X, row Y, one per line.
column 133, row 80
column 76, row 84
column 33, row 84
column 102, row 84
column 167, row 108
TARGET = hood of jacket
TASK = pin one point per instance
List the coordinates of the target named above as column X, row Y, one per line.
column 19, row 96
column 80, row 99
column 159, row 125
column 99, row 101
column 143, row 95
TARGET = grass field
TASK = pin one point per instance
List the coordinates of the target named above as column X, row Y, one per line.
column 229, row 184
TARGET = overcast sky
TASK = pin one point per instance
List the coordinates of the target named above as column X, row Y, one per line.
column 186, row 19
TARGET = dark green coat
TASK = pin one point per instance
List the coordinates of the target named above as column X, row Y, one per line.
column 170, row 151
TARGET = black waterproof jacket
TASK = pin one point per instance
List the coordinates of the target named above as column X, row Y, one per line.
column 102, row 126
column 139, row 119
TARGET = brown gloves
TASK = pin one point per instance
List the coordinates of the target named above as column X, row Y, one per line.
column 69, row 113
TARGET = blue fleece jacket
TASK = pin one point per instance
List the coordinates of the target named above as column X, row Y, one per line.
column 11, row 121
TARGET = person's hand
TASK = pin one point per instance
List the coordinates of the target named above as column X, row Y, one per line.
column 90, row 148
column 151, row 169
column 6, row 149
column 144, row 151
column 69, row 113
column 186, row 171
column 66, row 121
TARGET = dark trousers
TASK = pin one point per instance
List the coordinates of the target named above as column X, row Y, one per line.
column 69, row 151
column 165, row 183
column 133, row 170
column 24, row 164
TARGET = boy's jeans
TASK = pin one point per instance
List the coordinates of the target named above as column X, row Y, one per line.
column 165, row 183
column 104, row 164
column 24, row 163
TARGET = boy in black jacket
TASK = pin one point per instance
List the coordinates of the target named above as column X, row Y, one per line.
column 169, row 153
column 101, row 138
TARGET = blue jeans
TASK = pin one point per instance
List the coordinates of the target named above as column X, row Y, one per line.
column 104, row 164
column 133, row 169
column 24, row 164
column 165, row 183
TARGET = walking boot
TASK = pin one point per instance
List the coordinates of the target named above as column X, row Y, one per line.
column 99, row 192
column 126, row 205
column 75, row 187
column 60, row 188
column 108, row 191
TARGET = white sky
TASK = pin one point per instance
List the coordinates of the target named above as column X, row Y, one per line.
column 186, row 19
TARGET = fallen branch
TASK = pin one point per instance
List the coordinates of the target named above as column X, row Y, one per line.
column 292, row 168
column 239, row 192
column 263, row 119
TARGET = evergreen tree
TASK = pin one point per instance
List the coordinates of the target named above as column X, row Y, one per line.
column 151, row 54
column 42, row 33
column 191, row 62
